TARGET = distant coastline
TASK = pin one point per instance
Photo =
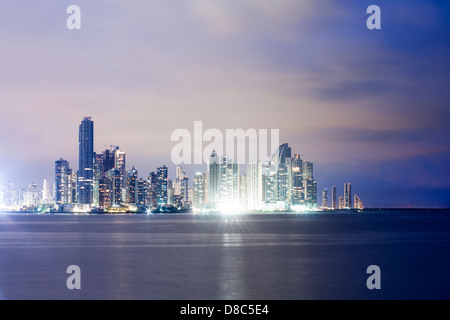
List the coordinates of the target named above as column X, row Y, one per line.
column 322, row 212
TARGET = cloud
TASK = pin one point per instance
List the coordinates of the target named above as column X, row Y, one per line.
column 279, row 20
column 338, row 92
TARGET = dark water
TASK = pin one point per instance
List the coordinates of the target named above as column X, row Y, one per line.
column 259, row 257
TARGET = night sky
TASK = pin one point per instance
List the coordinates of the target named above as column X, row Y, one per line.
column 370, row 107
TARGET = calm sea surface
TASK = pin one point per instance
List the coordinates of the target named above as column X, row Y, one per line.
column 261, row 257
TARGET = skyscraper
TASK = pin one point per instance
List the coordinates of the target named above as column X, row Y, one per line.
column 185, row 192
column 162, row 185
column 333, row 197
column 151, row 188
column 86, row 161
column 357, row 203
column 113, row 184
column 309, row 184
column 277, row 175
column 229, row 188
column 62, row 182
column 297, row 190
column 132, row 186
column 243, row 191
column 325, row 198
column 142, row 193
column 120, row 166
column 45, row 192
column 341, row 202
column 179, row 176
column 213, row 180
column 199, row 194
column 254, row 185
column 347, row 195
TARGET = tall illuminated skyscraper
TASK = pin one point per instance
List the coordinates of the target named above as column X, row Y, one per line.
column 347, row 195
column 86, row 161
column 277, row 175
column 179, row 176
column 254, row 185
column 297, row 190
column 333, row 198
column 45, row 192
column 309, row 184
column 243, row 191
column 325, row 198
column 213, row 180
column 162, row 185
column 132, row 186
column 199, row 192
column 229, row 189
column 341, row 202
column 62, row 182
column 142, row 192
column 120, row 166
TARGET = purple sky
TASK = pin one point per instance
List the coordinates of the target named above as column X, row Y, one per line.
column 369, row 107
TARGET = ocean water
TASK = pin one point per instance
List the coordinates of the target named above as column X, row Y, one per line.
column 249, row 257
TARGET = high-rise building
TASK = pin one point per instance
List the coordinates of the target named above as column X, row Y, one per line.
column 120, row 166
column 214, row 180
column 33, row 195
column 243, row 191
column 297, row 188
column 111, row 180
column 86, row 162
column 254, row 186
column 181, row 187
column 341, row 202
column 185, row 192
column 45, row 192
column 105, row 192
column 108, row 159
column 229, row 189
column 162, row 185
column 347, row 195
column 333, row 197
column 151, row 188
column 199, row 191
column 179, row 176
column 308, row 170
column 357, row 203
column 277, row 176
column 325, row 199
column 142, row 193
column 63, row 175
column 222, row 182
column 309, row 183
column 132, row 186
column 114, row 185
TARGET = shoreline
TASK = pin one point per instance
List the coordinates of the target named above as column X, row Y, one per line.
column 316, row 212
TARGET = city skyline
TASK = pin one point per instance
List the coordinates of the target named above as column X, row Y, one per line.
column 104, row 183
column 368, row 107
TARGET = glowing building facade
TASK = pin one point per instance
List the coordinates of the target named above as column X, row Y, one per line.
column 86, row 162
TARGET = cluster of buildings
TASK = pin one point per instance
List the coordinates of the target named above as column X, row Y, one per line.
column 286, row 182
column 344, row 201
column 103, row 182
column 33, row 197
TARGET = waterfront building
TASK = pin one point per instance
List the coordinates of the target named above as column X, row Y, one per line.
column 86, row 162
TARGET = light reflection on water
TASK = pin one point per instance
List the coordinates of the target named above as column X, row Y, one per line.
column 239, row 257
column 231, row 279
